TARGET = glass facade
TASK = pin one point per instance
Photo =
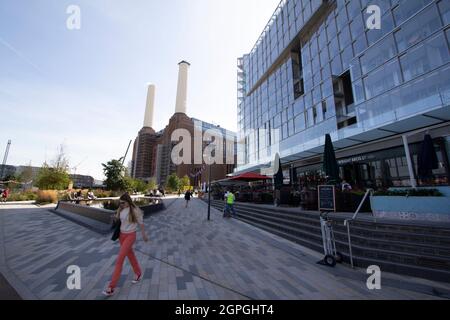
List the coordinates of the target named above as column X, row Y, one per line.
column 318, row 69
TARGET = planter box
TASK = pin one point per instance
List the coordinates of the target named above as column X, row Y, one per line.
column 412, row 208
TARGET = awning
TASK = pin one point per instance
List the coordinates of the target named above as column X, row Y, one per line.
column 250, row 176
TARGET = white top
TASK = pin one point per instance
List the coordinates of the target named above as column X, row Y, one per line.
column 126, row 226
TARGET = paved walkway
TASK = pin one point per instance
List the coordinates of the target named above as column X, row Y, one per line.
column 187, row 258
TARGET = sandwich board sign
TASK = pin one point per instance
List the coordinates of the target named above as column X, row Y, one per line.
column 327, row 198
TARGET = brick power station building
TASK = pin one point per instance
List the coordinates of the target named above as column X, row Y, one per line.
column 152, row 151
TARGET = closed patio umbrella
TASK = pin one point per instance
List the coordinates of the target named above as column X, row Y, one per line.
column 427, row 160
column 278, row 177
column 330, row 165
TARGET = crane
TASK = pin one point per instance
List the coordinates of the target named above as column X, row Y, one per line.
column 5, row 158
column 125, row 156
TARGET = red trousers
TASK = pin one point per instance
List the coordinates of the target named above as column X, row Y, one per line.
column 127, row 241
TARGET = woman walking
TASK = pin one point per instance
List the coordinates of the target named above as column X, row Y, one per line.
column 187, row 197
column 131, row 218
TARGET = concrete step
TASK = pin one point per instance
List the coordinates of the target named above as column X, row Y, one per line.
column 360, row 235
column 413, row 250
column 359, row 260
column 418, row 235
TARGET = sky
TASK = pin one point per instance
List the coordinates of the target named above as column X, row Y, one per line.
column 86, row 88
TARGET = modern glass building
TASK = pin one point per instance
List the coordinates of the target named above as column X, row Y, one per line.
column 317, row 68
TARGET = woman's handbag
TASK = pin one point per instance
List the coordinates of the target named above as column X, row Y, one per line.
column 116, row 229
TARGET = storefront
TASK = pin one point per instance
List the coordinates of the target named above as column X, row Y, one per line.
column 379, row 169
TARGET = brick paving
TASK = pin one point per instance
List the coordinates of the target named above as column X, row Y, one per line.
column 187, row 258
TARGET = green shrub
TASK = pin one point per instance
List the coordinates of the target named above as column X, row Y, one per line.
column 22, row 196
column 410, row 193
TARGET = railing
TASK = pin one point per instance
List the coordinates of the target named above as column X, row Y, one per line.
column 347, row 224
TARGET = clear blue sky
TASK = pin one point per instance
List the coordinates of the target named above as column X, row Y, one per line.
column 87, row 88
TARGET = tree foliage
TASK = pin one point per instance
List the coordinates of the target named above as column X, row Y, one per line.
column 49, row 178
column 152, row 185
column 173, row 183
column 185, row 183
column 54, row 176
column 114, row 172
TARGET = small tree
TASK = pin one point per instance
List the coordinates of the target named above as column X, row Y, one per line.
column 152, row 185
column 185, row 183
column 56, row 175
column 173, row 183
column 115, row 172
column 49, row 178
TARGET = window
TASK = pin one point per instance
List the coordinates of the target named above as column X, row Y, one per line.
column 324, row 57
column 322, row 39
column 341, row 19
column 277, row 121
column 299, row 122
column 309, row 118
column 425, row 57
column 299, row 106
column 324, row 110
column 291, row 127
column 285, row 131
column 408, row 8
column 317, row 95
column 331, row 29
column 418, row 29
column 327, row 88
column 355, row 68
column 378, row 54
column 347, row 56
column 336, row 65
column 344, row 37
column 334, row 47
column 357, row 26
column 358, row 90
column 444, row 8
column 353, row 9
column 382, row 80
column 360, row 44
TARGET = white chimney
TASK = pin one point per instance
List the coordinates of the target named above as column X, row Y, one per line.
column 150, row 107
column 180, row 106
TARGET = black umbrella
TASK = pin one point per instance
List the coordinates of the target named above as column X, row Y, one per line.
column 279, row 177
column 330, row 165
column 427, row 160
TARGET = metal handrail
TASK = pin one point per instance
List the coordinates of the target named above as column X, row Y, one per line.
column 347, row 224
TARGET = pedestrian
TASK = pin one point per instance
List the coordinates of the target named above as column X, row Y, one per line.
column 187, row 197
column 131, row 217
column 5, row 195
column 346, row 186
column 229, row 205
column 91, row 195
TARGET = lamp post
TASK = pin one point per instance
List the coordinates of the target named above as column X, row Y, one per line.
column 209, row 186
column 209, row 193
